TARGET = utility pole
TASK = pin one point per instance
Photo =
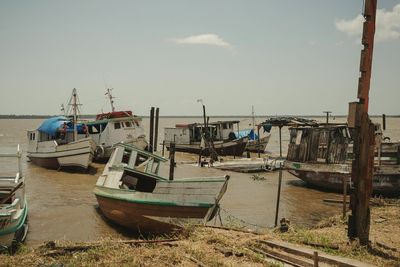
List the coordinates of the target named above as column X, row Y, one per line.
column 364, row 139
column 327, row 115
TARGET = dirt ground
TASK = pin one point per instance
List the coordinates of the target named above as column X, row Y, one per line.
column 205, row 246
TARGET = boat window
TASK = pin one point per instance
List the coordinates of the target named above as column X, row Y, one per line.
column 224, row 126
column 33, row 136
column 128, row 124
column 117, row 125
column 93, row 129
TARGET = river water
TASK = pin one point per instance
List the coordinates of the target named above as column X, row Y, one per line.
column 63, row 207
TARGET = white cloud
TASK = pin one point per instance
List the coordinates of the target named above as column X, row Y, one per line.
column 203, row 39
column 387, row 25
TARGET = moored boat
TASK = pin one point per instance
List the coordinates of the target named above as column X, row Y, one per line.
column 113, row 127
column 190, row 138
column 13, row 204
column 138, row 198
column 321, row 156
column 61, row 142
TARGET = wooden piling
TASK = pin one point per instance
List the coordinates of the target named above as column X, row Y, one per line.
column 315, row 259
column 258, row 140
column 171, row 160
column 364, row 135
column 156, row 130
column 383, row 121
column 151, row 130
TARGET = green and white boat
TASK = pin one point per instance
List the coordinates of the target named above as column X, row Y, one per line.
column 132, row 194
column 13, row 205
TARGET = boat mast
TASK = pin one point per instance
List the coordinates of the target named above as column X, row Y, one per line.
column 252, row 116
column 110, row 97
column 75, row 110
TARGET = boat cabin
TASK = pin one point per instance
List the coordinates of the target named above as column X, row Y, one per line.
column 131, row 168
column 323, row 144
column 187, row 133
column 192, row 133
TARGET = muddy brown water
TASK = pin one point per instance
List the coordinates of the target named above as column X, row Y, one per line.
column 63, row 207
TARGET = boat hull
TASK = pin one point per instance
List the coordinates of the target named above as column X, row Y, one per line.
column 255, row 146
column 383, row 183
column 77, row 154
column 146, row 218
column 14, row 230
column 229, row 148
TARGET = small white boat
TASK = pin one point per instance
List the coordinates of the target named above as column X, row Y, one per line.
column 13, row 205
column 61, row 142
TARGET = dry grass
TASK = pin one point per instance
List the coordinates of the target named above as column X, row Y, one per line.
column 207, row 245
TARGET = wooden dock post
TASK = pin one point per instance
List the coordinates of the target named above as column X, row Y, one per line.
column 151, row 130
column 156, row 129
column 258, row 140
column 364, row 139
column 383, row 122
column 171, row 160
column 163, row 147
column 315, row 258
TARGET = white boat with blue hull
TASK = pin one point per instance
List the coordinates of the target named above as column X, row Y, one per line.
column 13, row 204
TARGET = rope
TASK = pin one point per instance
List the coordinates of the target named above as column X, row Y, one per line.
column 229, row 215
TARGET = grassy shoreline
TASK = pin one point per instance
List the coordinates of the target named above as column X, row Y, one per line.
column 222, row 247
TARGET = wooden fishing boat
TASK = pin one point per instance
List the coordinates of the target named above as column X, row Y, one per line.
column 136, row 197
column 321, row 156
column 13, row 204
column 113, row 127
column 247, row 165
column 61, row 142
column 189, row 138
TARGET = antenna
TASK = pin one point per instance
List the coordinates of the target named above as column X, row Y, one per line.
column 62, row 109
column 110, row 97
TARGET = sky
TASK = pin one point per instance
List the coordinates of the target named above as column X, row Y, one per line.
column 281, row 56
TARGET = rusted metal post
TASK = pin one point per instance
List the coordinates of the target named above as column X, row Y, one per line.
column 258, row 140
column 171, row 160
column 383, row 122
column 364, row 139
column 156, row 130
column 278, row 197
column 151, row 130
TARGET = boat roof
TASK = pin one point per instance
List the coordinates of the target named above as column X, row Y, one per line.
column 142, row 152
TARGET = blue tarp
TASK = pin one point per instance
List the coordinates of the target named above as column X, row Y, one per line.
column 53, row 125
column 248, row 132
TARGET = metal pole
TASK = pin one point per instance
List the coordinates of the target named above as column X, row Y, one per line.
column 344, row 196
column 156, row 130
column 327, row 116
column 280, row 179
column 151, row 130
